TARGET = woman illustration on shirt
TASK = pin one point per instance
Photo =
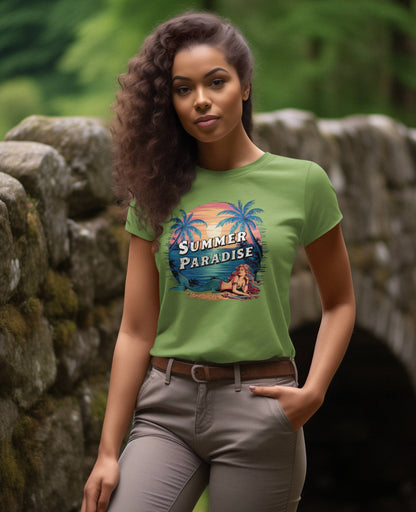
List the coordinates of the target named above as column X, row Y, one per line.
column 212, row 384
column 241, row 282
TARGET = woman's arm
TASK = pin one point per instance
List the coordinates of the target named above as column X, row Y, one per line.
column 328, row 260
column 130, row 362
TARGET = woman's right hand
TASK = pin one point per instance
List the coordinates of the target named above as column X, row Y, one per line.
column 100, row 484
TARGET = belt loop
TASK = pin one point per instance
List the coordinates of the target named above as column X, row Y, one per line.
column 295, row 369
column 169, row 371
column 237, row 377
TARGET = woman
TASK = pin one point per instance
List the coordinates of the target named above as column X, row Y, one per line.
column 220, row 404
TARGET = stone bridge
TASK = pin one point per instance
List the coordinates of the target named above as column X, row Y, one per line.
column 371, row 161
column 62, row 262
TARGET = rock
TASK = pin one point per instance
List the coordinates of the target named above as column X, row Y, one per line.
column 52, row 442
column 24, row 263
column 9, row 264
column 85, row 145
column 107, row 318
column 8, row 418
column 92, row 398
column 45, row 176
column 32, row 252
column 97, row 268
column 396, row 162
column 76, row 354
column 13, row 195
column 27, row 359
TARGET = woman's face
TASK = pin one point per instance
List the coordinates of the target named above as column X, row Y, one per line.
column 207, row 93
column 241, row 272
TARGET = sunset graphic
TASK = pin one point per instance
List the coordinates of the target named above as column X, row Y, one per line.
column 215, row 251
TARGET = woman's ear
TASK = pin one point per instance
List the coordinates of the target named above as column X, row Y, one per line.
column 246, row 91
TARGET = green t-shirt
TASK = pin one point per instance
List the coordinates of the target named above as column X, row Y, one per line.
column 226, row 256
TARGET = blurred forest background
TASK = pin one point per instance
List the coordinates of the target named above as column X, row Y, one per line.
column 332, row 57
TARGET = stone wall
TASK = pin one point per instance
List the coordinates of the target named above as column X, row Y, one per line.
column 62, row 262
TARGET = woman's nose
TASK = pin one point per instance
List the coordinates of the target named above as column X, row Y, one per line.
column 202, row 101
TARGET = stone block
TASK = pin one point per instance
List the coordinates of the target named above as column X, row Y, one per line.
column 10, row 271
column 8, row 418
column 86, row 147
column 76, row 354
column 53, row 441
column 45, row 177
column 13, row 195
column 293, row 133
column 27, row 359
column 32, row 252
column 97, row 269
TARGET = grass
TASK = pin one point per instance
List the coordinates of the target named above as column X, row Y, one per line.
column 202, row 505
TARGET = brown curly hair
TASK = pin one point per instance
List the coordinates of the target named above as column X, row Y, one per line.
column 154, row 157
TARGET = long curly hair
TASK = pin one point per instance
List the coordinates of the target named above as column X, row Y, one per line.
column 154, row 157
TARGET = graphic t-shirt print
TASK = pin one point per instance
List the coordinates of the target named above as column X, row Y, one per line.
column 215, row 251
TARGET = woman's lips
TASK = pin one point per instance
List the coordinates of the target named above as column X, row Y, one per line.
column 206, row 121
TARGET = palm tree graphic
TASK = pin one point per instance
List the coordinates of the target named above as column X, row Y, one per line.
column 243, row 218
column 185, row 227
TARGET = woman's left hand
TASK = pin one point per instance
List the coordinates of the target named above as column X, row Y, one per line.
column 298, row 404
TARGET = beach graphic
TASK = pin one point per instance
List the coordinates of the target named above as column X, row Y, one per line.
column 216, row 250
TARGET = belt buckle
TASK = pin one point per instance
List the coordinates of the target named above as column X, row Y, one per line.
column 193, row 375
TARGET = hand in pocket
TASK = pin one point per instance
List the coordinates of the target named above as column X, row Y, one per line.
column 297, row 403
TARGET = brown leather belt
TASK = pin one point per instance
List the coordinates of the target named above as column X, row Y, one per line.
column 207, row 372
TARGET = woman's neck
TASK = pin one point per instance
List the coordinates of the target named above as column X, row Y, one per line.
column 228, row 154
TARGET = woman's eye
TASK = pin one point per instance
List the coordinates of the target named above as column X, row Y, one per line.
column 217, row 82
column 182, row 90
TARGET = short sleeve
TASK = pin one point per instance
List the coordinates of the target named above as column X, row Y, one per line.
column 135, row 226
column 321, row 212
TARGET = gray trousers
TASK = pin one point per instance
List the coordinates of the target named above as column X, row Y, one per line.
column 186, row 435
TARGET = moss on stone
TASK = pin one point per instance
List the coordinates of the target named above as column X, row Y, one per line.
column 98, row 405
column 32, row 310
column 85, row 319
column 32, row 203
column 12, row 479
column 29, row 450
column 100, row 313
column 44, row 408
column 13, row 322
column 33, row 232
column 60, row 299
column 63, row 332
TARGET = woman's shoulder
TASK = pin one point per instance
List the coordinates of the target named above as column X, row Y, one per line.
column 290, row 167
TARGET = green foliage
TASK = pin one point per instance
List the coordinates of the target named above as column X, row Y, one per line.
column 35, row 34
column 333, row 58
column 19, row 98
column 103, row 47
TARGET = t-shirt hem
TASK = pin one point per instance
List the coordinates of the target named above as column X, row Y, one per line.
column 324, row 231
column 140, row 235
